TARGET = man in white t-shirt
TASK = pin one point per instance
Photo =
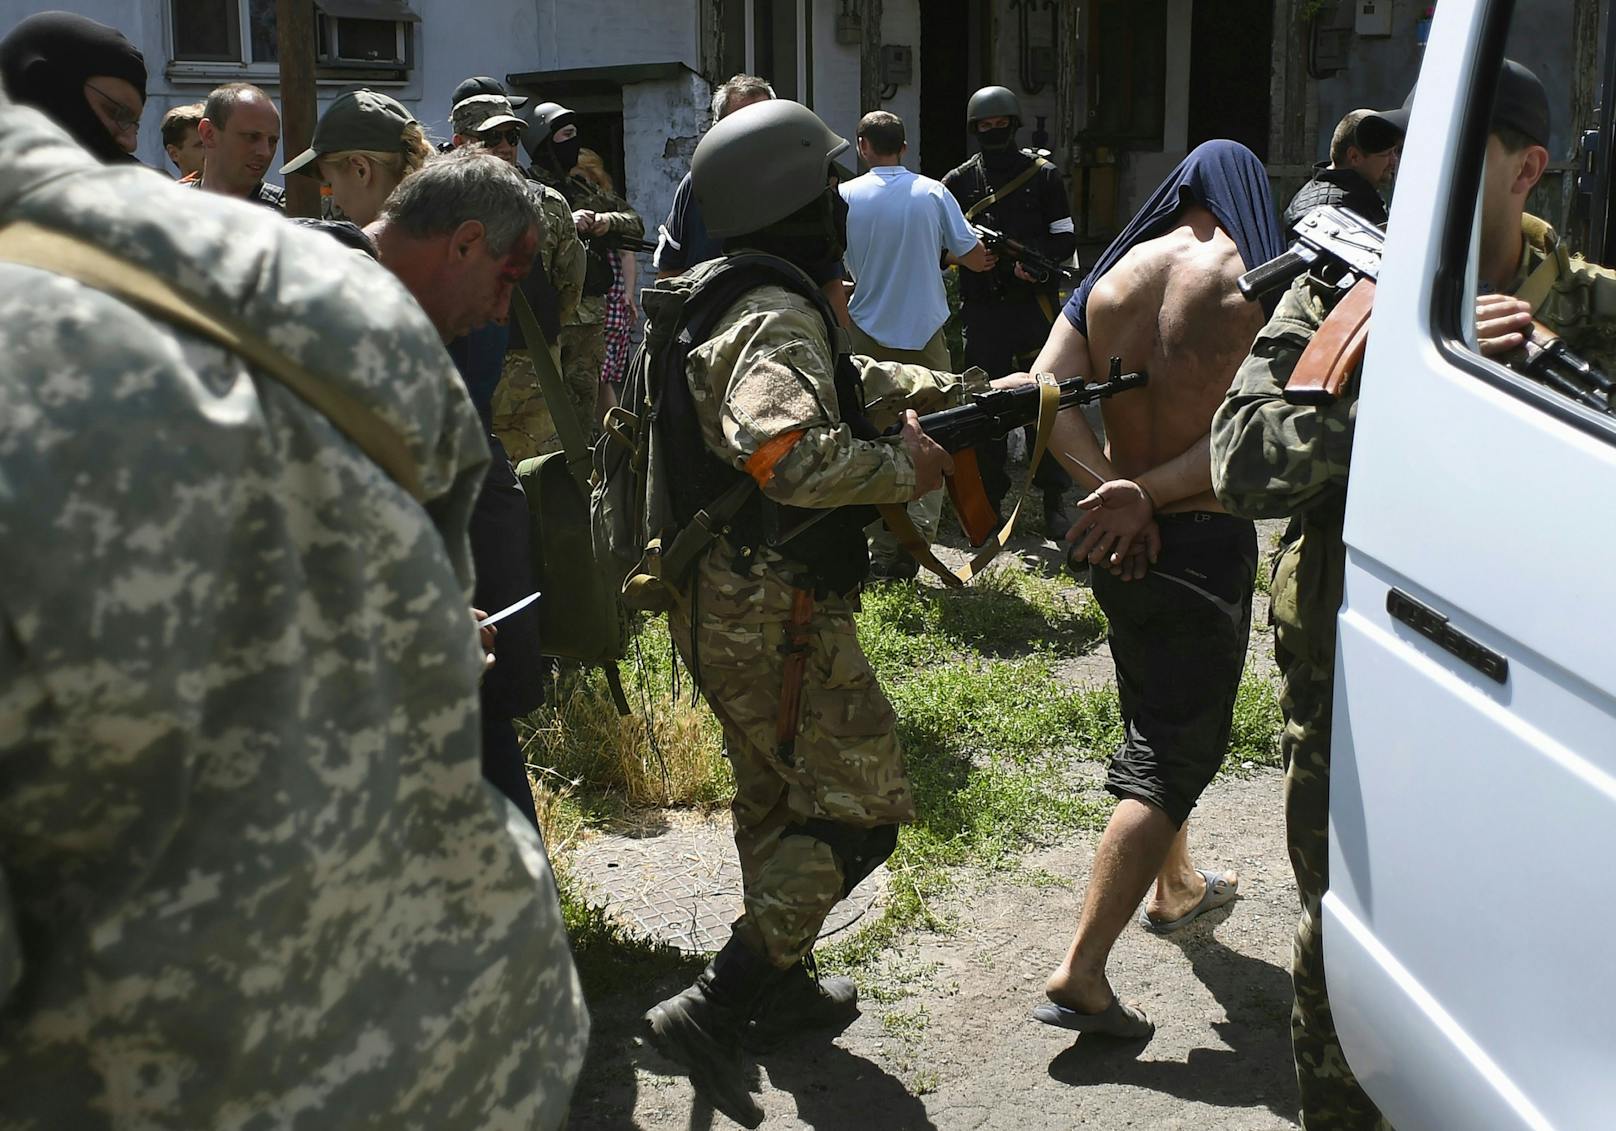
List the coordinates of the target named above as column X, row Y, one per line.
column 901, row 229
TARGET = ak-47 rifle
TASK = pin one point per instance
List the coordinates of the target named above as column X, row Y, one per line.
column 616, row 241
column 987, row 416
column 1343, row 249
column 993, row 414
column 1040, row 266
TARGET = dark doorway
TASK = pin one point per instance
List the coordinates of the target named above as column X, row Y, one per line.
column 1231, row 49
column 945, row 68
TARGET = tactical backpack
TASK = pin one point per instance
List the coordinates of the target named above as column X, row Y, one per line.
column 647, row 538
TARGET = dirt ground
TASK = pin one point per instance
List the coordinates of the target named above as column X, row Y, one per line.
column 945, row 1040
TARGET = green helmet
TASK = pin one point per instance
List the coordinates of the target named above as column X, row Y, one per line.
column 993, row 102
column 761, row 164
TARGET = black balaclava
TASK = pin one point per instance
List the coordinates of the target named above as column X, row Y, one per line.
column 45, row 61
column 564, row 154
column 814, row 237
column 998, row 144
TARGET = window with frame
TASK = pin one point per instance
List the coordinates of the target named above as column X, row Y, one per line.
column 371, row 37
column 1567, row 363
column 771, row 39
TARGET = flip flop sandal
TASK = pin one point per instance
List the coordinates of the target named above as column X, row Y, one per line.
column 1218, row 892
column 1115, row 1020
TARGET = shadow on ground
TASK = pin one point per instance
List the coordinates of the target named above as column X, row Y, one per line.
column 1254, row 1069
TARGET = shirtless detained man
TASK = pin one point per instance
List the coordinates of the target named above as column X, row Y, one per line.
column 1178, row 589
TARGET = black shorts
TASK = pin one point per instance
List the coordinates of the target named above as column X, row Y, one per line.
column 1178, row 638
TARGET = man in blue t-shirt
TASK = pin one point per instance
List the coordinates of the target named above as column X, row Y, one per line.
column 901, row 228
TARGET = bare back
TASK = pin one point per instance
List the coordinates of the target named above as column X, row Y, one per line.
column 1171, row 308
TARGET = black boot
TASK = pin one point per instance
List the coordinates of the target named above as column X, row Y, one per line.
column 800, row 1000
column 700, row 1028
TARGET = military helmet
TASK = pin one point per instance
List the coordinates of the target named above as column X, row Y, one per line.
column 993, row 102
column 760, row 164
column 542, row 122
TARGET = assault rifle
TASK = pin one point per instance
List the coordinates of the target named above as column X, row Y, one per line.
column 616, row 241
column 1040, row 266
column 1344, row 250
column 992, row 414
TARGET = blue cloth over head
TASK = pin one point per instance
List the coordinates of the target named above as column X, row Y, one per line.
column 1226, row 179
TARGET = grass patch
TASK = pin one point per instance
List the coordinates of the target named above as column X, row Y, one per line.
column 669, row 752
column 1254, row 738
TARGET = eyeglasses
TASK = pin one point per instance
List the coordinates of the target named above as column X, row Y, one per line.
column 118, row 112
column 512, row 136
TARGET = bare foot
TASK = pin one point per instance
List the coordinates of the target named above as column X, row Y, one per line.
column 1169, row 901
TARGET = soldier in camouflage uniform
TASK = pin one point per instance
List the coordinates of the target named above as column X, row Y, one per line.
column 250, row 874
column 553, row 143
column 520, row 417
column 1273, row 459
column 817, row 814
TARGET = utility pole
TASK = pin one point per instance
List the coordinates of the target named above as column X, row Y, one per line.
column 870, row 58
column 294, row 33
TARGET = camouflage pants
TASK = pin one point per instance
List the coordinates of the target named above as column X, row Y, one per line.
column 1331, row 1097
column 847, row 766
column 583, row 354
column 522, row 420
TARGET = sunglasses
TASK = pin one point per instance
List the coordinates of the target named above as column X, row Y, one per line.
column 118, row 112
column 512, row 136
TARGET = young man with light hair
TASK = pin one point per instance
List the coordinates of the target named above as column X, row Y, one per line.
column 181, row 140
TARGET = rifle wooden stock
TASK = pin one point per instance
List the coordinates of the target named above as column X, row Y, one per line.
column 1335, row 350
column 977, row 517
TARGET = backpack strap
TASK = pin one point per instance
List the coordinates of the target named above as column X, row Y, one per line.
column 30, row 245
column 574, row 442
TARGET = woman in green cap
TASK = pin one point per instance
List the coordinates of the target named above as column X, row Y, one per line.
column 364, row 145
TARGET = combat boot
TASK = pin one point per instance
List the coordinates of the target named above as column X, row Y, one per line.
column 799, row 1000
column 701, row 1027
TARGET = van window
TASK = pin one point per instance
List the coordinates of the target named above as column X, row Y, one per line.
column 1532, row 229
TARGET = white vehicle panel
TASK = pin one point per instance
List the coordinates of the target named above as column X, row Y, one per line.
column 1470, row 937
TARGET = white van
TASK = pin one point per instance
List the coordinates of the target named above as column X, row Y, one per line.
column 1470, row 926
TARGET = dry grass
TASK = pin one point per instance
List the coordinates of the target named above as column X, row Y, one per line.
column 668, row 753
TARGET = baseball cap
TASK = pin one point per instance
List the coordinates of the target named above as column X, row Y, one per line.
column 484, row 84
column 483, row 112
column 360, row 119
column 1521, row 103
column 1383, row 129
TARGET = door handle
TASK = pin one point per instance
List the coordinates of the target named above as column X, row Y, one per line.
column 1435, row 627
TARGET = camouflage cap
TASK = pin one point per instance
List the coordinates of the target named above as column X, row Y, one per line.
column 483, row 112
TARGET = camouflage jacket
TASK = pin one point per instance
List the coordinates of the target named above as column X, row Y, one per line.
column 1272, row 459
column 250, row 873
column 767, row 370
column 620, row 220
column 562, row 250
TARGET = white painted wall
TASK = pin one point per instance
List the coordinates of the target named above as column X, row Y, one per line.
column 836, row 73
column 604, row 33
column 662, row 122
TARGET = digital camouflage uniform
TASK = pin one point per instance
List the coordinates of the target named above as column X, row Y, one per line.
column 521, row 420
column 583, row 336
column 1271, row 459
column 250, row 874
column 766, row 371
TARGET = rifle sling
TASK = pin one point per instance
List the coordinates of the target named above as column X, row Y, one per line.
column 574, row 442
column 30, row 245
column 897, row 517
column 1009, row 187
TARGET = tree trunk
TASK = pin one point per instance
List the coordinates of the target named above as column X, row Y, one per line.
column 294, row 28
column 870, row 58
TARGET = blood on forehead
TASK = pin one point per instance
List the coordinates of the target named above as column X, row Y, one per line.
column 519, row 261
